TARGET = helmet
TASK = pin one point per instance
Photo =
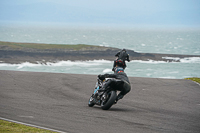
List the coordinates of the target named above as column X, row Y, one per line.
column 124, row 49
column 119, row 69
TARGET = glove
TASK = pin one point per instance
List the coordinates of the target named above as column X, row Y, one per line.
column 101, row 77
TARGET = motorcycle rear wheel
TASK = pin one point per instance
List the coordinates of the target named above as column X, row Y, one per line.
column 111, row 97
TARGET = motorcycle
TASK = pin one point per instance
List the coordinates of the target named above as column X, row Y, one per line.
column 104, row 98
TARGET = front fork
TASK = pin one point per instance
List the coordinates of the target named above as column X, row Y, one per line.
column 96, row 89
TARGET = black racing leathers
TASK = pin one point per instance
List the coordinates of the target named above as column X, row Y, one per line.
column 119, row 80
column 122, row 76
column 122, row 55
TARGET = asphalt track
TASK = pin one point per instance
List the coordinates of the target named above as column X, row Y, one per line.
column 59, row 101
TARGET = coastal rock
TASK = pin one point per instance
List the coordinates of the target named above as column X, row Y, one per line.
column 25, row 52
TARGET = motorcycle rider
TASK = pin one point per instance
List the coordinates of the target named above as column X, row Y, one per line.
column 119, row 80
column 122, row 57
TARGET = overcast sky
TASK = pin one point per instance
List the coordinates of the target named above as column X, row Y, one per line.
column 100, row 12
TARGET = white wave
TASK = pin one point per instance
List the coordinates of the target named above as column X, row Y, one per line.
column 171, row 58
column 184, row 60
column 191, row 60
column 19, row 66
column 107, row 70
column 99, row 61
column 148, row 74
column 149, row 61
column 174, row 60
column 27, row 64
column 71, row 63
column 59, row 63
column 79, row 63
column 169, row 77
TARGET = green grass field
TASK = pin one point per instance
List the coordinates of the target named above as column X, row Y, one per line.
column 21, row 46
column 10, row 127
column 194, row 79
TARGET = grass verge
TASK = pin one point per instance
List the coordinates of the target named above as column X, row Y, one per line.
column 10, row 127
column 194, row 79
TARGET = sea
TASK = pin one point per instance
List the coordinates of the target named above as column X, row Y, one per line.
column 165, row 41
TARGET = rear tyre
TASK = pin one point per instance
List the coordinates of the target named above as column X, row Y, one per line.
column 109, row 101
column 91, row 102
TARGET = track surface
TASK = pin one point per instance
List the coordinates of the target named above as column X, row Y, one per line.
column 59, row 101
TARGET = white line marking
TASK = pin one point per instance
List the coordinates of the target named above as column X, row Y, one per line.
column 32, row 125
column 196, row 83
column 26, row 116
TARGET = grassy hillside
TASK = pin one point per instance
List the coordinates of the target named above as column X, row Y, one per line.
column 39, row 46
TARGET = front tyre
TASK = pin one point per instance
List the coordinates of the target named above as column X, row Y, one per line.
column 109, row 101
column 91, row 102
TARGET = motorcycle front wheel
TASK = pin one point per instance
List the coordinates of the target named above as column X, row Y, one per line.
column 109, row 100
column 91, row 102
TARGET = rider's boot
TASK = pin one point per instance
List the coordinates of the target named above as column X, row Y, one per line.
column 120, row 96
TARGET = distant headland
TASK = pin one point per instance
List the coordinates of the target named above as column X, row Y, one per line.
column 16, row 52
